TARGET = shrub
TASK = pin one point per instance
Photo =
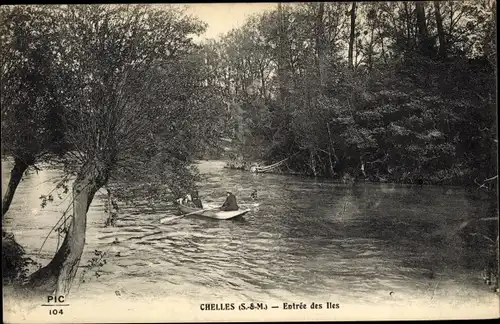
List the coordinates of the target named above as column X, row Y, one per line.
column 15, row 264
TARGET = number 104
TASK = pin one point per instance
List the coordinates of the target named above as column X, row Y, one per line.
column 55, row 311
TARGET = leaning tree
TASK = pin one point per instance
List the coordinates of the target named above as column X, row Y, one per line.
column 136, row 107
column 31, row 131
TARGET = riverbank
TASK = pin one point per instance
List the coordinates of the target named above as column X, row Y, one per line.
column 350, row 177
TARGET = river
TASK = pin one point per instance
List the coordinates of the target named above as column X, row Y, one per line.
column 305, row 240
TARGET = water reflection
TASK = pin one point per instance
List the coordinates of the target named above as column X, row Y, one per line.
column 306, row 237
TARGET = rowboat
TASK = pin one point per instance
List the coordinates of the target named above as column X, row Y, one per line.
column 212, row 212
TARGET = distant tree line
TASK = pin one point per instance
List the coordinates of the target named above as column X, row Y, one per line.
column 385, row 91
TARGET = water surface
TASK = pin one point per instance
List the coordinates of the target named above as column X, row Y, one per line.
column 364, row 244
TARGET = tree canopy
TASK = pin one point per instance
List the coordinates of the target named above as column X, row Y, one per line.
column 132, row 104
column 387, row 91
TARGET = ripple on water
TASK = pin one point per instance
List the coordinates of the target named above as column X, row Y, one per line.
column 307, row 237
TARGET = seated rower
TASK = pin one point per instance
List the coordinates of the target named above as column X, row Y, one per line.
column 187, row 201
column 230, row 203
column 191, row 200
column 196, row 199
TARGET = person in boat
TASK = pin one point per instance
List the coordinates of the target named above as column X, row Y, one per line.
column 230, row 203
column 187, row 200
column 191, row 200
column 195, row 198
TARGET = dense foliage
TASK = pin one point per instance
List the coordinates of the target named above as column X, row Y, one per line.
column 386, row 91
column 125, row 85
column 15, row 264
column 32, row 131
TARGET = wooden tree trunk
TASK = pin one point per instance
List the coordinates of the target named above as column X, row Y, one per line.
column 409, row 42
column 16, row 175
column 320, row 44
column 491, row 37
column 362, row 167
column 421, row 20
column 282, row 57
column 263, row 82
column 352, row 35
column 440, row 29
column 382, row 52
column 422, row 28
column 59, row 273
column 313, row 163
column 370, row 52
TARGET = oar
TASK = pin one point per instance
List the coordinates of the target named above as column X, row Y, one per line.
column 200, row 211
column 192, row 213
